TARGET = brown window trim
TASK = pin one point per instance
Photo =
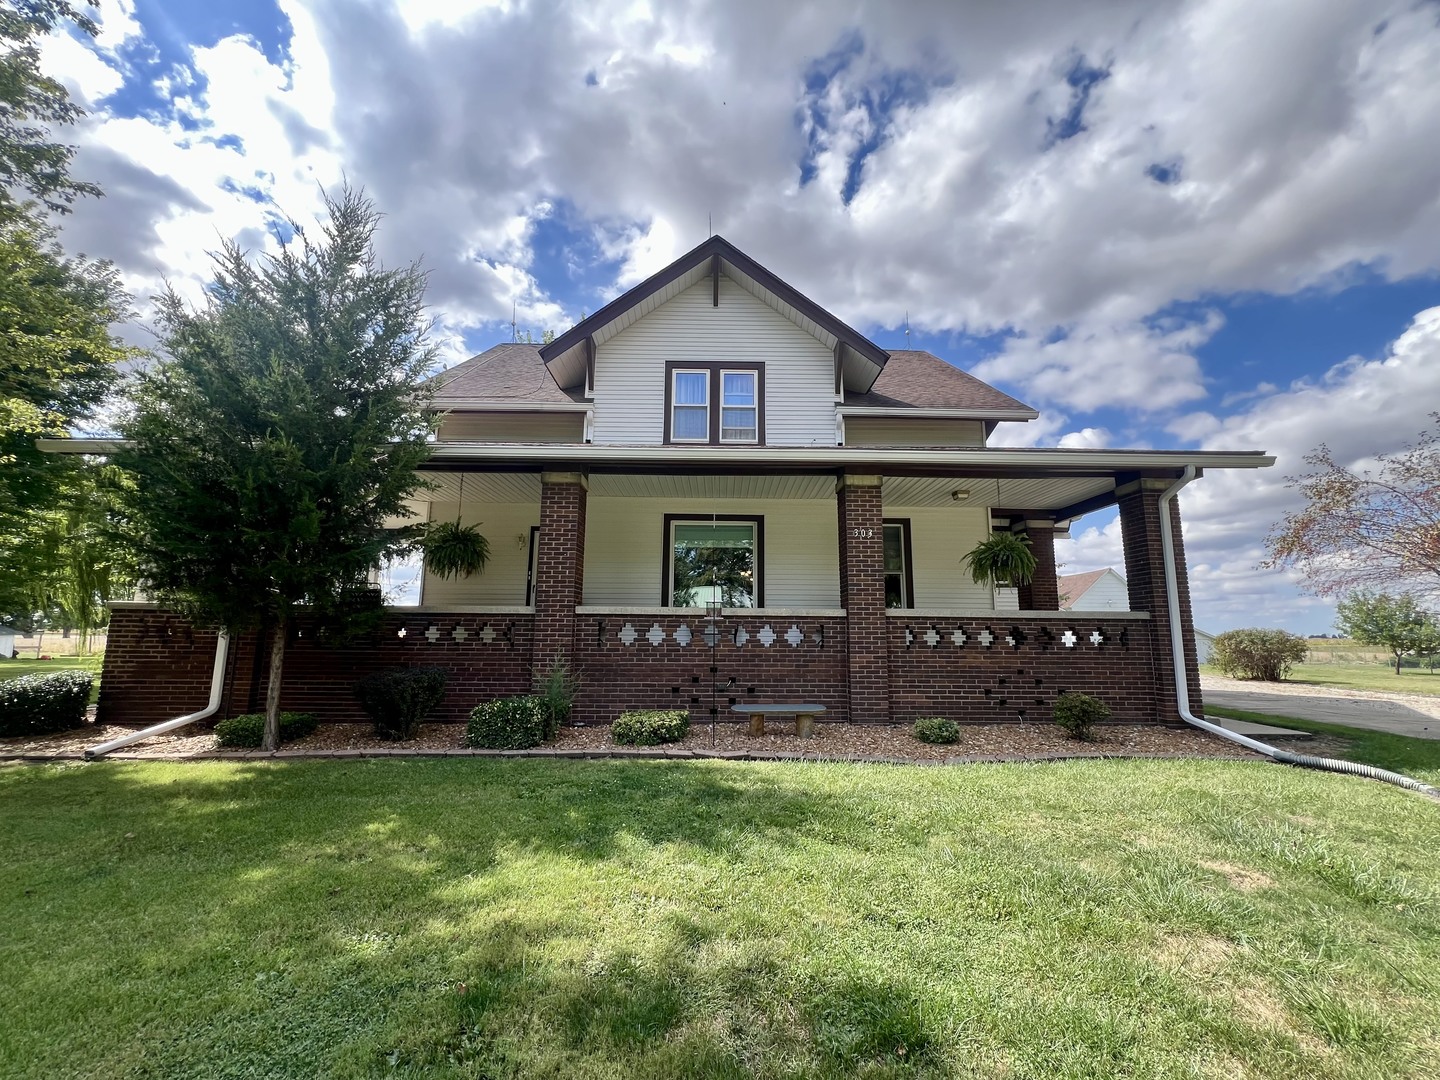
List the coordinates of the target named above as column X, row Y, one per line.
column 909, row 559
column 667, row 557
column 716, row 404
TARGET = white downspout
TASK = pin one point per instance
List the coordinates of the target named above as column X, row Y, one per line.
column 1182, row 683
column 217, row 686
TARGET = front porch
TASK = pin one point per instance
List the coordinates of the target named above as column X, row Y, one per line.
column 852, row 594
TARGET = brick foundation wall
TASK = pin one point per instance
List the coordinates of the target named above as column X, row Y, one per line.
column 559, row 567
column 619, row 676
column 862, row 595
column 972, row 682
column 157, row 667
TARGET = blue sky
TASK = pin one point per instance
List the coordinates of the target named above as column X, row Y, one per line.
column 1206, row 223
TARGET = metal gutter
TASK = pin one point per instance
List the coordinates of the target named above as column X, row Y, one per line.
column 936, row 413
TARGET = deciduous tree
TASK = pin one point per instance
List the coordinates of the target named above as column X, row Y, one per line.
column 1370, row 529
column 278, row 433
column 1397, row 623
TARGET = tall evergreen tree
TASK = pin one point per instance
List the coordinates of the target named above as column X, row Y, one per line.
column 279, row 431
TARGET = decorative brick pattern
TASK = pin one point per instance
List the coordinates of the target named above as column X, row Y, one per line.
column 617, row 676
column 862, row 594
column 1145, row 578
column 1017, row 675
column 158, row 667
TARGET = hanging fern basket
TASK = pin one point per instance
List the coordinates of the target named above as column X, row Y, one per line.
column 1002, row 559
column 453, row 550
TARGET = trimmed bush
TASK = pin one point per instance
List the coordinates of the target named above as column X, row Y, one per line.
column 1257, row 653
column 1079, row 713
column 650, row 727
column 40, row 704
column 516, row 723
column 248, row 729
column 937, row 729
column 400, row 699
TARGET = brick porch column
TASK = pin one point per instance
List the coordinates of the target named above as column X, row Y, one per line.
column 1145, row 577
column 862, row 594
column 1043, row 592
column 559, row 567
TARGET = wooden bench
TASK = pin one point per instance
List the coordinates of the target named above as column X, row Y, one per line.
column 804, row 714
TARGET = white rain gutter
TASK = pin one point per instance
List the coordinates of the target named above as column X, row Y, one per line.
column 217, row 686
column 1182, row 683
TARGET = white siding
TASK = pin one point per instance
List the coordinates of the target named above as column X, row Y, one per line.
column 630, row 367
column 899, row 431
column 508, row 427
column 939, row 539
column 1110, row 593
column 624, row 548
column 502, row 582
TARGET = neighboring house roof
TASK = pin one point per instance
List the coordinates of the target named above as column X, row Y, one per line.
column 1074, row 586
column 569, row 354
column 914, row 379
column 512, row 373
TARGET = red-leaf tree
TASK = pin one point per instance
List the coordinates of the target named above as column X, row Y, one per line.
column 1372, row 529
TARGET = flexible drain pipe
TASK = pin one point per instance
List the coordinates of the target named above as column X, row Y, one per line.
column 217, row 685
column 1182, row 684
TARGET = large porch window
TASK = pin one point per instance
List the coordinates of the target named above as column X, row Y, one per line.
column 713, row 561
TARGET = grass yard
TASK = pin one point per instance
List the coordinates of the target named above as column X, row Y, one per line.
column 1419, row 758
column 1355, row 677
column 509, row 918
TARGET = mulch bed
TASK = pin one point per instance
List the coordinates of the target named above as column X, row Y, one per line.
column 892, row 742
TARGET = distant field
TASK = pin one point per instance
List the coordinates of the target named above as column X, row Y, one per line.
column 1358, row 677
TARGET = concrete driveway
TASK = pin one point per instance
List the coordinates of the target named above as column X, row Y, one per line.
column 1400, row 714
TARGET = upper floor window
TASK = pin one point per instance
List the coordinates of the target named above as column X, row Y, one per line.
column 715, row 403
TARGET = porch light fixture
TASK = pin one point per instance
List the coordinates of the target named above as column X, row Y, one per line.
column 960, row 494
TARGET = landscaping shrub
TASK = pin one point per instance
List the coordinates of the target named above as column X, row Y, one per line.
column 398, row 700
column 937, row 729
column 40, row 704
column 650, row 727
column 557, row 689
column 516, row 723
column 248, row 729
column 1079, row 713
column 1257, row 653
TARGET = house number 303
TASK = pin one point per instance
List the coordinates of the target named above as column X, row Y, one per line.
column 863, row 534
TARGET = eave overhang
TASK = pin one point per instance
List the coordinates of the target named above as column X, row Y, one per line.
column 922, row 413
column 569, row 354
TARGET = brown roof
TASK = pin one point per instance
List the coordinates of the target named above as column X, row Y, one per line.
column 921, row 380
column 1074, row 586
column 509, row 372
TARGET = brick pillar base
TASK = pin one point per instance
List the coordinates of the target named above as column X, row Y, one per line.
column 559, row 567
column 1043, row 592
column 862, row 594
column 1145, row 577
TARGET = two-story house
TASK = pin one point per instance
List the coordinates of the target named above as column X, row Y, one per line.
column 713, row 437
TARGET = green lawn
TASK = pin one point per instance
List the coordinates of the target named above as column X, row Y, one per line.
column 13, row 669
column 482, row 918
column 1419, row 758
column 1356, row 677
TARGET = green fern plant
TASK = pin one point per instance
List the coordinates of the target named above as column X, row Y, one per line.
column 1002, row 558
column 454, row 550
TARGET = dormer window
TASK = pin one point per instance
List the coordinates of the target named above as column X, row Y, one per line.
column 715, row 404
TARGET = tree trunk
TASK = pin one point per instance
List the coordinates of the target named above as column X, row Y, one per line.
column 1397, row 663
column 271, row 739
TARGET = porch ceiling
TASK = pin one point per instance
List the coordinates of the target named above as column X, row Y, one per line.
column 1053, row 493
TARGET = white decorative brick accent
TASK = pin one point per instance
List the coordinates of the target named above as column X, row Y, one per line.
column 487, row 634
column 433, row 634
column 958, row 637
column 986, row 638
column 741, row 636
column 400, row 633
column 1097, row 639
column 682, row 636
column 628, row 635
column 766, row 636
column 1069, row 638
column 460, row 634
column 932, row 637
column 656, row 636
column 794, row 636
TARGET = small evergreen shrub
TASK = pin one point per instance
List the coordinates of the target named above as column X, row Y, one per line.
column 398, row 700
column 937, row 729
column 248, row 729
column 650, row 727
column 1079, row 713
column 1258, row 653
column 516, row 723
column 41, row 704
column 558, row 688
